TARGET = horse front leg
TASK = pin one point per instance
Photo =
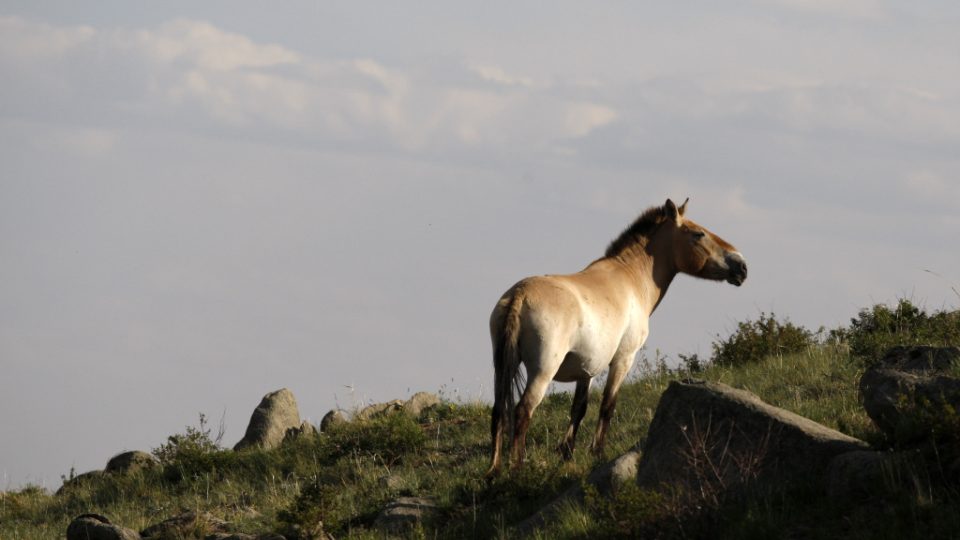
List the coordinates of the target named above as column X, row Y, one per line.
column 577, row 411
column 619, row 369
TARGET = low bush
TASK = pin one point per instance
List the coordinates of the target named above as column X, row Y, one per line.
column 755, row 340
column 195, row 441
column 880, row 327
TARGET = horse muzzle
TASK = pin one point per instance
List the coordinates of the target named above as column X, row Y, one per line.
column 736, row 269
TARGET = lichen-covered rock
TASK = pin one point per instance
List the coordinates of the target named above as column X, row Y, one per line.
column 97, row 527
column 709, row 440
column 130, row 462
column 270, row 421
column 911, row 393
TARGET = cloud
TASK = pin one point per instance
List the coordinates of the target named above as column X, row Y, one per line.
column 192, row 73
column 21, row 40
column 208, row 47
column 496, row 74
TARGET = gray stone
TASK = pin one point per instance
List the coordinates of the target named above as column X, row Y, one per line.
column 130, row 462
column 404, row 513
column 97, row 527
column 709, row 440
column 380, row 409
column 306, row 429
column 270, row 421
column 420, row 402
column 186, row 525
column 910, row 393
column 332, row 418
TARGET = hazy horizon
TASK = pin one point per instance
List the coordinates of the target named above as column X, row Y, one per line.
column 200, row 204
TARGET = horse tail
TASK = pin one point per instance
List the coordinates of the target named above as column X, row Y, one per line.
column 508, row 379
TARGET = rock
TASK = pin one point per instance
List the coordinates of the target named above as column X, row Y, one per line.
column 270, row 421
column 404, row 513
column 306, row 429
column 710, row 440
column 97, row 527
column 130, row 462
column 609, row 477
column 909, row 394
column 606, row 478
column 380, row 409
column 332, row 418
column 420, row 402
column 79, row 480
column 187, row 525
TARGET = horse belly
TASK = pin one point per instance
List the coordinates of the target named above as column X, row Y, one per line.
column 576, row 367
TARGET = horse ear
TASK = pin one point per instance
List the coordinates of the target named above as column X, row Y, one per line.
column 672, row 212
column 683, row 207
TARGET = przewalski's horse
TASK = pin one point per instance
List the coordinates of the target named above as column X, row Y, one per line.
column 571, row 327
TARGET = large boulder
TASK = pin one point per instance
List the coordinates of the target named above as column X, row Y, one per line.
column 130, row 462
column 911, row 393
column 270, row 421
column 97, row 527
column 708, row 440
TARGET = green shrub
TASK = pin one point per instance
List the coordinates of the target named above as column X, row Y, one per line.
column 390, row 437
column 755, row 340
column 195, row 441
column 318, row 507
column 876, row 329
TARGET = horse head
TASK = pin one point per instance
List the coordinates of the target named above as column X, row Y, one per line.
column 699, row 252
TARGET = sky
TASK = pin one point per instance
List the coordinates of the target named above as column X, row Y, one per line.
column 201, row 203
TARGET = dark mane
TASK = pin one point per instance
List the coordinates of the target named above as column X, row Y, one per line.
column 648, row 221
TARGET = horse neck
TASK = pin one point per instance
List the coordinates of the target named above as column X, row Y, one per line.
column 650, row 266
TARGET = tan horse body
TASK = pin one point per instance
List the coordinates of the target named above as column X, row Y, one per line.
column 572, row 327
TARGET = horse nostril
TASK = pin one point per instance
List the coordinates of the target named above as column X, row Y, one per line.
column 738, row 266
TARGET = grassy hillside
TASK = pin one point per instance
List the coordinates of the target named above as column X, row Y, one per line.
column 345, row 476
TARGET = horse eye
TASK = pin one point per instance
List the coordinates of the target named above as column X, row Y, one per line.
column 698, row 234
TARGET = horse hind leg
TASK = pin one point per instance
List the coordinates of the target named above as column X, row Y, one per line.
column 496, row 435
column 577, row 411
column 537, row 385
